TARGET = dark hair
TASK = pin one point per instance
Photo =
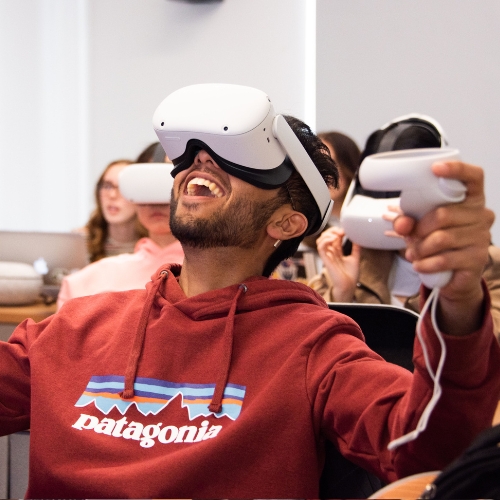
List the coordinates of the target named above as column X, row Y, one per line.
column 406, row 134
column 296, row 192
column 347, row 153
column 147, row 154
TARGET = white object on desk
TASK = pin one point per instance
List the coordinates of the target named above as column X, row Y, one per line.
column 19, row 283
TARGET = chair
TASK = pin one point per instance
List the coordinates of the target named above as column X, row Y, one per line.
column 341, row 478
column 390, row 332
column 14, row 464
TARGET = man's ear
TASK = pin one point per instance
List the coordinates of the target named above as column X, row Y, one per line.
column 286, row 224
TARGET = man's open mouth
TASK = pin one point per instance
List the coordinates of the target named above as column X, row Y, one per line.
column 198, row 186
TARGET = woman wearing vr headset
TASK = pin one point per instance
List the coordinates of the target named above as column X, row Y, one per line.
column 368, row 275
column 132, row 270
column 113, row 227
column 216, row 382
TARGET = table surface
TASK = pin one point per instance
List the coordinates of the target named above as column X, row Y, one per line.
column 16, row 314
column 412, row 487
column 496, row 418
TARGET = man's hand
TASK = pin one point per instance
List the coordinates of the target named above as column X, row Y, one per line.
column 393, row 211
column 343, row 270
column 454, row 237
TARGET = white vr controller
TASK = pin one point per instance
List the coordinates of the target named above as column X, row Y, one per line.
column 409, row 171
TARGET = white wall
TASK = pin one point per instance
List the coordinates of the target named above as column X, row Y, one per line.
column 379, row 59
column 141, row 51
column 42, row 129
column 82, row 78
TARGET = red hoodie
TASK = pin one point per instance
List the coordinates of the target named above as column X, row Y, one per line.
column 231, row 393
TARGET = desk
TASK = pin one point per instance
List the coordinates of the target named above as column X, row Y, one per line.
column 411, row 487
column 11, row 316
column 408, row 488
column 496, row 417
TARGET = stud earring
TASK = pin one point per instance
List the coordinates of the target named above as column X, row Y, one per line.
column 277, row 244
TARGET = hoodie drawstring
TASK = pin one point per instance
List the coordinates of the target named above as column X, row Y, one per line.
column 133, row 361
column 220, row 384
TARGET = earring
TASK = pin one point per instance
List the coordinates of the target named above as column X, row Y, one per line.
column 277, row 244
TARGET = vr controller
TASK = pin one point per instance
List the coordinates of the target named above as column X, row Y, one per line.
column 409, row 171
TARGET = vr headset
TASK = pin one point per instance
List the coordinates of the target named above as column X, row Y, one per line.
column 146, row 183
column 239, row 128
column 393, row 130
column 361, row 217
column 362, row 210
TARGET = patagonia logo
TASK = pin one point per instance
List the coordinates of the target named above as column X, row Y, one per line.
column 147, row 435
column 152, row 395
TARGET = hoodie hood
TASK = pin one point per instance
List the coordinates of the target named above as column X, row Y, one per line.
column 261, row 293
column 254, row 293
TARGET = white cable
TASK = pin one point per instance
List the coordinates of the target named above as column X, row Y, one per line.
column 431, row 302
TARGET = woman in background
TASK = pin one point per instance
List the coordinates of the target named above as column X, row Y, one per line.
column 132, row 270
column 363, row 275
column 113, row 227
column 374, row 276
column 306, row 263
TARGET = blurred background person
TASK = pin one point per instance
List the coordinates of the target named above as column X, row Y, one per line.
column 153, row 153
column 113, row 227
column 148, row 153
column 130, row 271
column 306, row 263
column 369, row 275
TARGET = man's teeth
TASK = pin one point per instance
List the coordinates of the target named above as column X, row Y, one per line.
column 198, row 181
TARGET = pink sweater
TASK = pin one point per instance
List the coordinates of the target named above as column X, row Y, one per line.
column 127, row 271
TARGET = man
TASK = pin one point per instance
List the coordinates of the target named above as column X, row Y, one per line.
column 216, row 382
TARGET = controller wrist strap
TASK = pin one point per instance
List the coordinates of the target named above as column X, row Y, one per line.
column 431, row 302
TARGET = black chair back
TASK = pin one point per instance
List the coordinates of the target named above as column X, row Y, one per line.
column 390, row 332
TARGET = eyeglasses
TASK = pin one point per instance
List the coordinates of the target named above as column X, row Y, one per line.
column 107, row 186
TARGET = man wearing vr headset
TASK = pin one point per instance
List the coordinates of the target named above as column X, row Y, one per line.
column 217, row 382
column 380, row 276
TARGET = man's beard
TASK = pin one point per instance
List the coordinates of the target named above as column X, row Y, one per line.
column 236, row 225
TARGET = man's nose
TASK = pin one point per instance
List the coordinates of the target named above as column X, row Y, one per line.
column 203, row 157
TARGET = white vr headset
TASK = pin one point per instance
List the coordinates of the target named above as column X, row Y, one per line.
column 146, row 183
column 361, row 217
column 239, row 128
